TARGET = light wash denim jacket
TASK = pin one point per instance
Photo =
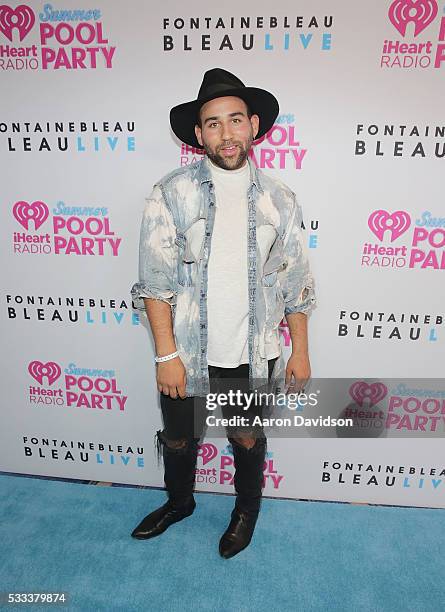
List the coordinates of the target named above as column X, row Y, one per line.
column 175, row 244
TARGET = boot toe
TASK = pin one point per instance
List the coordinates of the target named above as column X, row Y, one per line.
column 145, row 531
column 238, row 534
column 144, row 534
column 159, row 520
column 151, row 525
column 229, row 548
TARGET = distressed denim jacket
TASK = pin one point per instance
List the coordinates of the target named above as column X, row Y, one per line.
column 175, row 245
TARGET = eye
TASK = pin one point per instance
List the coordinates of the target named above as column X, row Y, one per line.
column 213, row 124
column 237, row 119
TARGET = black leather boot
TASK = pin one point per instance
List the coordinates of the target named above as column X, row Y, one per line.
column 248, row 483
column 179, row 478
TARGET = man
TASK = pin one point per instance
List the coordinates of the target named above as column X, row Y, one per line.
column 221, row 262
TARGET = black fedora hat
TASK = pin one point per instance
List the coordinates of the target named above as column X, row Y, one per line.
column 216, row 84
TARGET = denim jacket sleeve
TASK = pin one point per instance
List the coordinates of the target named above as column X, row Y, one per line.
column 157, row 254
column 296, row 278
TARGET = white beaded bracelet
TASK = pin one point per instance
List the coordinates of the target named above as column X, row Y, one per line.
column 166, row 357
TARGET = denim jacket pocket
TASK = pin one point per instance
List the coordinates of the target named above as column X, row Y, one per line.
column 270, row 279
column 186, row 262
column 190, row 242
column 274, row 263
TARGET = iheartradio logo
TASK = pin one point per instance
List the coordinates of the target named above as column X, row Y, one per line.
column 372, row 394
column 87, row 233
column 91, row 389
column 423, row 249
column 381, row 221
column 419, row 12
column 70, row 40
column 25, row 212
column 49, row 370
column 207, row 452
column 21, row 18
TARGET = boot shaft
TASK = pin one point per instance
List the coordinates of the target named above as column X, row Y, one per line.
column 249, row 476
column 179, row 469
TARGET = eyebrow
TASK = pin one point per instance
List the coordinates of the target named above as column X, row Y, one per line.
column 230, row 115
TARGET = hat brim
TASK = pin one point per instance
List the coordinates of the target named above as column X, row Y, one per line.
column 183, row 117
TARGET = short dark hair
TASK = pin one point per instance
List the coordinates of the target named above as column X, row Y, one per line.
column 198, row 120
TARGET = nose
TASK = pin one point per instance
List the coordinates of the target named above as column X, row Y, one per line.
column 226, row 131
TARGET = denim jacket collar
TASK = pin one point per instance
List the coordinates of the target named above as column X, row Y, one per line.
column 204, row 173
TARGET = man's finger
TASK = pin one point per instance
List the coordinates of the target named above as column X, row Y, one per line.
column 288, row 376
column 181, row 391
column 173, row 393
column 299, row 385
column 294, row 384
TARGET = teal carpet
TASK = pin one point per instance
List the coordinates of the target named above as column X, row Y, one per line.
column 62, row 536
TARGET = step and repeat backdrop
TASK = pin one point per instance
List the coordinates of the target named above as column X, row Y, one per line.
column 84, row 133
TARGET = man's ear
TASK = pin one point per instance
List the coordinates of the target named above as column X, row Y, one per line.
column 255, row 122
column 198, row 134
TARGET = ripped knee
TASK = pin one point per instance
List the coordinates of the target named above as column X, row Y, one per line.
column 246, row 441
column 176, row 443
column 174, row 446
column 252, row 441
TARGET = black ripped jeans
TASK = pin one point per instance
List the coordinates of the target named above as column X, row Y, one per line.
column 186, row 418
column 185, row 424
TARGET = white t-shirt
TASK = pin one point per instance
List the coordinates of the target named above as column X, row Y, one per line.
column 227, row 294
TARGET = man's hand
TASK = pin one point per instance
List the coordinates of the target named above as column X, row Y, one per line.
column 171, row 378
column 298, row 372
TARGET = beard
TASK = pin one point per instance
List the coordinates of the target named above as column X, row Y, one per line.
column 233, row 162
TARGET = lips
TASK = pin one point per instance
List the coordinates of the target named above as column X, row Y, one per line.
column 229, row 150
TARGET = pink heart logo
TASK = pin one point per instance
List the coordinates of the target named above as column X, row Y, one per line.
column 361, row 391
column 207, row 452
column 25, row 212
column 420, row 12
column 381, row 221
column 22, row 18
column 38, row 370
